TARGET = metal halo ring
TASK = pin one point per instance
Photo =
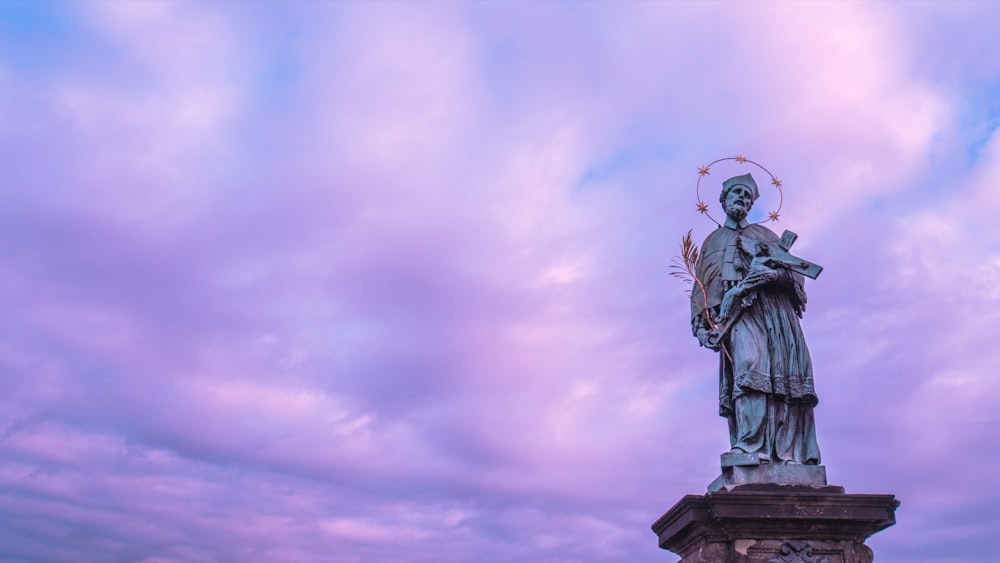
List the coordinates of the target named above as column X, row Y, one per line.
column 704, row 171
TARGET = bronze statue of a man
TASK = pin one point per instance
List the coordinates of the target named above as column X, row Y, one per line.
column 765, row 376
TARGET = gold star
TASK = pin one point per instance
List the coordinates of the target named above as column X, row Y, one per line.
column 741, row 159
column 773, row 216
column 776, row 182
column 702, row 207
column 703, row 170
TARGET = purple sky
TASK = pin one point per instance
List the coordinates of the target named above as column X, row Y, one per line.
column 389, row 281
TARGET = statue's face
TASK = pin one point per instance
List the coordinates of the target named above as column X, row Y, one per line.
column 738, row 202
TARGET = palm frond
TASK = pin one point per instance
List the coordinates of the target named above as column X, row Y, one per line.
column 683, row 266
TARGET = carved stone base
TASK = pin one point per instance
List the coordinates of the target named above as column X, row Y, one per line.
column 733, row 477
column 775, row 524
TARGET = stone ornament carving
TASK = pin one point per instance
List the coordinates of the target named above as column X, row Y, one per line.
column 796, row 552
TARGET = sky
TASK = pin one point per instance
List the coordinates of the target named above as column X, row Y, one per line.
column 390, row 281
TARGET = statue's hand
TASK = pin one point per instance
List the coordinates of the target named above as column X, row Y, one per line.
column 760, row 273
column 709, row 338
column 728, row 300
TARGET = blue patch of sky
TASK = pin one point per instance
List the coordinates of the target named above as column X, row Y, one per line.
column 38, row 35
column 977, row 119
column 40, row 41
column 502, row 74
column 611, row 166
column 626, row 160
column 980, row 120
column 878, row 206
column 276, row 84
column 980, row 127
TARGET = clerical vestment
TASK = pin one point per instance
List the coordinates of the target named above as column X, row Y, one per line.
column 765, row 350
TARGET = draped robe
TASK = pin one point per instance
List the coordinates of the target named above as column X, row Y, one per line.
column 766, row 389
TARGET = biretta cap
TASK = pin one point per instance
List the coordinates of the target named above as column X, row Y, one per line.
column 744, row 180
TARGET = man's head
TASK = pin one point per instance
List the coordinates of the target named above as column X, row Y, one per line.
column 738, row 195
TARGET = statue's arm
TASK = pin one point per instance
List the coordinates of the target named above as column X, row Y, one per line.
column 762, row 273
column 759, row 275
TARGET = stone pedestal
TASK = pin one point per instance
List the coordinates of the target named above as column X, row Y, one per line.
column 737, row 476
column 757, row 522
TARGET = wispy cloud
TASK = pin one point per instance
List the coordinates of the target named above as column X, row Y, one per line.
column 361, row 282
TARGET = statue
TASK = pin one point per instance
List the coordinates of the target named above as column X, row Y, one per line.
column 771, row 500
column 746, row 306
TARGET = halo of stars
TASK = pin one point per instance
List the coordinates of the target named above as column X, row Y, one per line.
column 705, row 171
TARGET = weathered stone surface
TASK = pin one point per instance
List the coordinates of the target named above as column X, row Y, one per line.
column 797, row 552
column 733, row 477
column 730, row 459
column 752, row 526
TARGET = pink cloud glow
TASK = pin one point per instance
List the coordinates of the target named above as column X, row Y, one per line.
column 389, row 281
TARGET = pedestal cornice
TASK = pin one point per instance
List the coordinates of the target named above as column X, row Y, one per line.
column 771, row 515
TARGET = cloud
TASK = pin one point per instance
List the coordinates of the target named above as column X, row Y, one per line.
column 395, row 279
